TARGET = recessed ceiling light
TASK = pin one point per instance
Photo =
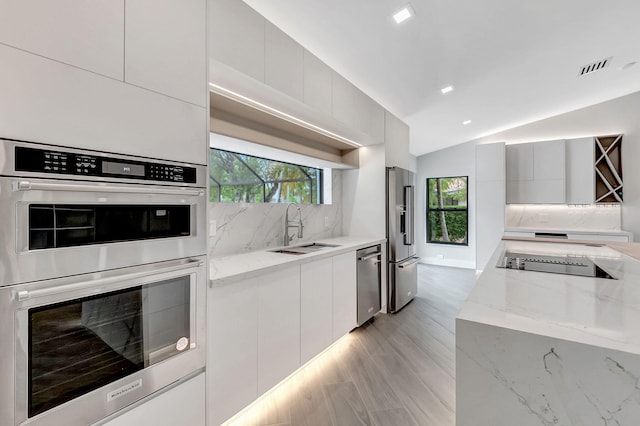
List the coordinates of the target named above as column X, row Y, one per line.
column 403, row 14
column 465, row 122
column 447, row 89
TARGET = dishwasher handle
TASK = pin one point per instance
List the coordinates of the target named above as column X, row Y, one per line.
column 369, row 256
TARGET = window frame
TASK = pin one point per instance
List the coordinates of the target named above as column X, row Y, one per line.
column 445, row 209
column 316, row 196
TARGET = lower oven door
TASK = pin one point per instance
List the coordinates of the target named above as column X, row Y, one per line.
column 87, row 346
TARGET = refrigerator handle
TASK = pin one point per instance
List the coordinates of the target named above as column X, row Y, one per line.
column 407, row 219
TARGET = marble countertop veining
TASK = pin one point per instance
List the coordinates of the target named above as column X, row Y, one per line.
column 228, row 269
column 594, row 311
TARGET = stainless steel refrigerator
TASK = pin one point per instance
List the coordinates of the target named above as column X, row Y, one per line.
column 402, row 273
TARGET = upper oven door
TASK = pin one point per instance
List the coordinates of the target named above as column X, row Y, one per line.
column 55, row 228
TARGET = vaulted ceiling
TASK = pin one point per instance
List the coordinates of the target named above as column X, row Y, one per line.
column 511, row 62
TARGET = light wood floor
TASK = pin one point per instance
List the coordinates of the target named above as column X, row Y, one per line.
column 398, row 370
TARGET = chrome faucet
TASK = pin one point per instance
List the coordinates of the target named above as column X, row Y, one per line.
column 292, row 224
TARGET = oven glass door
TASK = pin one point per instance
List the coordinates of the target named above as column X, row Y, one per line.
column 69, row 225
column 80, row 345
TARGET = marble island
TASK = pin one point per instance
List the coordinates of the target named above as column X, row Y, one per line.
column 535, row 348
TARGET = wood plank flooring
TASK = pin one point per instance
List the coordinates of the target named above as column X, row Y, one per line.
column 398, row 370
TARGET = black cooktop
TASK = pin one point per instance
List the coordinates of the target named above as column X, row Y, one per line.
column 567, row 265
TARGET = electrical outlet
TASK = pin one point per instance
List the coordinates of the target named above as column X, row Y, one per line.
column 212, row 228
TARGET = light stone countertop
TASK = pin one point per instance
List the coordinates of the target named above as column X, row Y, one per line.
column 593, row 311
column 571, row 231
column 229, row 269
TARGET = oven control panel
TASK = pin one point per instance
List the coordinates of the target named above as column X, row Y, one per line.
column 70, row 163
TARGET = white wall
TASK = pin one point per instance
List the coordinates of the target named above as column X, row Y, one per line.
column 612, row 117
column 459, row 160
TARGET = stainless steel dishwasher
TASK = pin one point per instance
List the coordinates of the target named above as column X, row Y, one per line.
column 369, row 266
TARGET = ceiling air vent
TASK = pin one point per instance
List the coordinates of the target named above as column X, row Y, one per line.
column 595, row 66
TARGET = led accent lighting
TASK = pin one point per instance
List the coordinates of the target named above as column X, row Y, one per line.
column 277, row 113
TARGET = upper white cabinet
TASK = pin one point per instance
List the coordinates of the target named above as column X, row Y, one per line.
column 85, row 34
column 580, row 171
column 165, row 48
column 316, row 299
column 237, row 37
column 353, row 107
column 396, row 137
column 536, row 173
column 317, row 78
column 283, row 62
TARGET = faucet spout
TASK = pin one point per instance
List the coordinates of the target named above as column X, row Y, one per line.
column 292, row 224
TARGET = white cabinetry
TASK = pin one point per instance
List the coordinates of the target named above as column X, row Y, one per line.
column 236, row 36
column 85, row 34
column 345, row 296
column 580, row 171
column 257, row 328
column 317, row 78
column 278, row 326
column 165, row 48
column 283, row 62
column 182, row 405
column 396, row 138
column 536, row 173
column 232, row 348
column 353, row 107
column 316, row 299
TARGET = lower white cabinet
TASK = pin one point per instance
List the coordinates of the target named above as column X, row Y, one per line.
column 278, row 326
column 181, row 405
column 232, row 348
column 316, row 298
column 261, row 329
column 345, row 294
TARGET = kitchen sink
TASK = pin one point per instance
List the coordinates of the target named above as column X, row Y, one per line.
column 303, row 248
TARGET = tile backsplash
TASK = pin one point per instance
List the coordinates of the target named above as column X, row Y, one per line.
column 245, row 227
column 587, row 217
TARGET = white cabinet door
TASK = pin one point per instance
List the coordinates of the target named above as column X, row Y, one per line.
column 181, row 405
column 354, row 108
column 536, row 172
column 317, row 83
column 278, row 326
column 81, row 109
column 236, row 36
column 85, row 34
column 580, row 171
column 519, row 161
column 316, row 298
column 232, row 348
column 345, row 296
column 165, row 47
column 283, row 62
column 396, row 140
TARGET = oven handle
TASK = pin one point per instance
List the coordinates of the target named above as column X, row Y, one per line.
column 21, row 296
column 25, row 185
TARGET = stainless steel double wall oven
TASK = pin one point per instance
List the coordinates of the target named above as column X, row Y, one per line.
column 102, row 280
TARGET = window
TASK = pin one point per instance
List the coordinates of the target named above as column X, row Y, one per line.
column 447, row 215
column 240, row 178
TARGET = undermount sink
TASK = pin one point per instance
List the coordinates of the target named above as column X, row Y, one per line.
column 303, row 248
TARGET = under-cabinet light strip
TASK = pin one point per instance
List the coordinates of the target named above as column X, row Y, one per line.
column 284, row 115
